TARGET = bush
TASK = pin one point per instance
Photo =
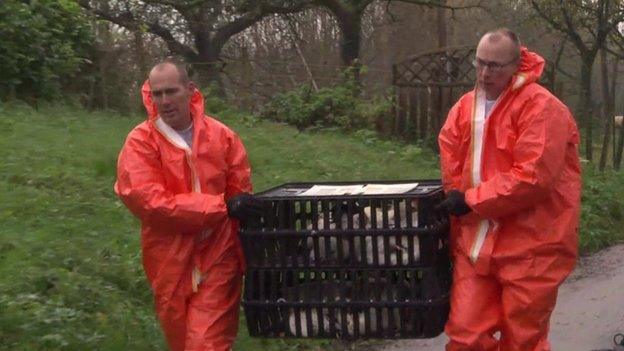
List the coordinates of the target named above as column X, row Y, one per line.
column 602, row 209
column 43, row 42
column 339, row 106
column 213, row 103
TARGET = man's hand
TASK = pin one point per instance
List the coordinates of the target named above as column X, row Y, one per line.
column 454, row 203
column 245, row 207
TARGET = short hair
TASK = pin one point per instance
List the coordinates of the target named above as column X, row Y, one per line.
column 496, row 34
column 179, row 66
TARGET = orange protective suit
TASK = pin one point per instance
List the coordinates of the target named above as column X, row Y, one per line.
column 519, row 169
column 191, row 253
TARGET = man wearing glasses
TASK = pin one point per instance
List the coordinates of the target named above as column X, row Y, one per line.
column 511, row 172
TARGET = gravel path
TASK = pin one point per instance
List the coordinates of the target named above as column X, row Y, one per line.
column 589, row 311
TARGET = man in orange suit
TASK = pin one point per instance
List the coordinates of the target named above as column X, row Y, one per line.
column 511, row 171
column 187, row 178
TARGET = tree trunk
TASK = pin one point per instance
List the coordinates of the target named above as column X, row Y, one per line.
column 441, row 24
column 551, row 74
column 207, row 74
column 617, row 162
column 351, row 29
column 607, row 110
column 142, row 65
column 585, row 103
column 104, row 49
column 141, row 55
column 207, row 69
column 612, row 89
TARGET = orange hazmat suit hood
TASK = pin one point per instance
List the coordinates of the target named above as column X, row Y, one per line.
column 530, row 68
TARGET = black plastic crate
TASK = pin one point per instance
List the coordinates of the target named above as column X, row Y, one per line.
column 348, row 266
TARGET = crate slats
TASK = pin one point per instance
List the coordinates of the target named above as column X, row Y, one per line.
column 353, row 266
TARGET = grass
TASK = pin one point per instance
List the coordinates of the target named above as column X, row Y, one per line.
column 70, row 271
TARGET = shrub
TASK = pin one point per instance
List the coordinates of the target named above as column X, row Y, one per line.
column 43, row 42
column 339, row 106
column 602, row 209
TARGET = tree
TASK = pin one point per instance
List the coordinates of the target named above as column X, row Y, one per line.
column 42, row 43
column 587, row 24
column 196, row 30
column 349, row 13
column 617, row 50
column 608, row 104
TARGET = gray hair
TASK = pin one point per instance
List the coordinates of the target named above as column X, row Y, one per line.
column 179, row 66
column 502, row 32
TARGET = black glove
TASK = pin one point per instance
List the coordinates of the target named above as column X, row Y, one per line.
column 245, row 207
column 454, row 203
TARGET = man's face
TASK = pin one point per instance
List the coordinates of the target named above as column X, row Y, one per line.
column 171, row 96
column 496, row 63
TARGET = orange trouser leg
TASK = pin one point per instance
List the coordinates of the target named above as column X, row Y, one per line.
column 475, row 309
column 212, row 321
column 528, row 298
column 172, row 311
column 173, row 324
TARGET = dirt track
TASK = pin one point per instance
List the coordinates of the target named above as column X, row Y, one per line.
column 589, row 311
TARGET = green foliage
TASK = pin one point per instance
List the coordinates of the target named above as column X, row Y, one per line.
column 339, row 106
column 602, row 213
column 213, row 103
column 42, row 44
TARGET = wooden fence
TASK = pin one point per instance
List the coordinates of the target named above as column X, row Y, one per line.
column 426, row 86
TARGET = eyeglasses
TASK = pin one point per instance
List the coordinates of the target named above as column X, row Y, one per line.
column 491, row 65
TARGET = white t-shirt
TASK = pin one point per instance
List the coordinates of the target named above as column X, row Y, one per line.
column 187, row 135
column 488, row 106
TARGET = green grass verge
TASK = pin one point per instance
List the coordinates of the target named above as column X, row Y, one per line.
column 70, row 271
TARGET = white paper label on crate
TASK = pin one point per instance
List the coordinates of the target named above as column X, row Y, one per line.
column 332, row 190
column 360, row 189
column 381, row 189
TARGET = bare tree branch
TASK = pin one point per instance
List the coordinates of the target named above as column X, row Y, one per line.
column 128, row 20
column 226, row 31
column 203, row 28
column 439, row 4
